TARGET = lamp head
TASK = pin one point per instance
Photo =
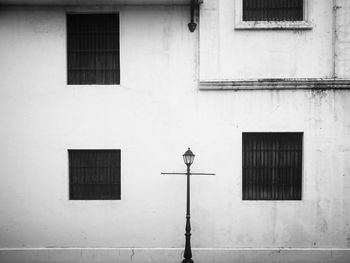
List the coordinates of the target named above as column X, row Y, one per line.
column 188, row 157
column 192, row 26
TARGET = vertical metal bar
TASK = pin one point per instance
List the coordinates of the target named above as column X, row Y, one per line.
column 285, row 168
column 300, row 154
column 261, row 168
column 254, row 169
column 286, row 157
column 268, row 168
column 263, row 164
column 266, row 173
column 294, row 165
column 283, row 165
column 251, row 170
column 244, row 169
column 188, row 252
column 278, row 175
column 257, row 168
column 289, row 167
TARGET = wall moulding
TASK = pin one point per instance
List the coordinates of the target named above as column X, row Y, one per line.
column 275, row 84
column 172, row 255
column 95, row 2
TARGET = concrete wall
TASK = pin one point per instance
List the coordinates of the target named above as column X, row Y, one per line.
column 227, row 53
column 341, row 37
column 153, row 116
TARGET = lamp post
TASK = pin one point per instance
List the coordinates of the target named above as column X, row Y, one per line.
column 188, row 157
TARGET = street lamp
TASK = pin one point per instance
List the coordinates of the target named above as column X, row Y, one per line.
column 188, row 157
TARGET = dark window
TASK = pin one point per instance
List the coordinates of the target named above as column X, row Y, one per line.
column 93, row 48
column 94, row 174
column 273, row 10
column 272, row 166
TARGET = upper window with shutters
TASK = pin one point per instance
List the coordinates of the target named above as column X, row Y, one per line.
column 271, row 14
column 93, row 49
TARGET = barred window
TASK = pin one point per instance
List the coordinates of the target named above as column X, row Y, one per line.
column 272, row 166
column 94, row 174
column 93, row 49
column 273, row 10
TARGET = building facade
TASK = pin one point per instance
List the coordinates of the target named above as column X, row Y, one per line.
column 240, row 74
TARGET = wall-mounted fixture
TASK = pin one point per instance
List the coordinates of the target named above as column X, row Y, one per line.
column 194, row 12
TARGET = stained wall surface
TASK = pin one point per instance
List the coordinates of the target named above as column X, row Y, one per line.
column 228, row 53
column 153, row 116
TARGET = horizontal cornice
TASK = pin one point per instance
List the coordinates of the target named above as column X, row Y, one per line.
column 275, row 84
column 94, row 2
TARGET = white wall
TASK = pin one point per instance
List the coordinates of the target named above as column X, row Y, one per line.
column 342, row 43
column 153, row 116
column 227, row 53
column 145, row 117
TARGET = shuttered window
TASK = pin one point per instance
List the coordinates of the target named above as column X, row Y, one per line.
column 93, row 48
column 94, row 174
column 273, row 10
column 272, row 166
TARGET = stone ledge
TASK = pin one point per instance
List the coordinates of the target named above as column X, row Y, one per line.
column 93, row 2
column 254, row 25
column 275, row 84
column 175, row 255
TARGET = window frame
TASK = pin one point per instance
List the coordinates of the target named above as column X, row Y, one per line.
column 283, row 25
column 302, row 135
column 100, row 199
column 93, row 10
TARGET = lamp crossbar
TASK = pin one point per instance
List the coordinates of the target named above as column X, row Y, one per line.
column 186, row 173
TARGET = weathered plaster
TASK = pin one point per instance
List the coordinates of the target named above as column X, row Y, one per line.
column 342, row 39
column 137, row 255
column 158, row 108
column 228, row 54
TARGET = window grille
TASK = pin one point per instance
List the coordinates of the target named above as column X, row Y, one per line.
column 273, row 10
column 94, row 174
column 93, row 48
column 272, row 166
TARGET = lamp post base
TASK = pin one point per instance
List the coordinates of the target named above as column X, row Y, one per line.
column 187, row 260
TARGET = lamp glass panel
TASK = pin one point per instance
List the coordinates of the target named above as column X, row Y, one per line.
column 188, row 159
